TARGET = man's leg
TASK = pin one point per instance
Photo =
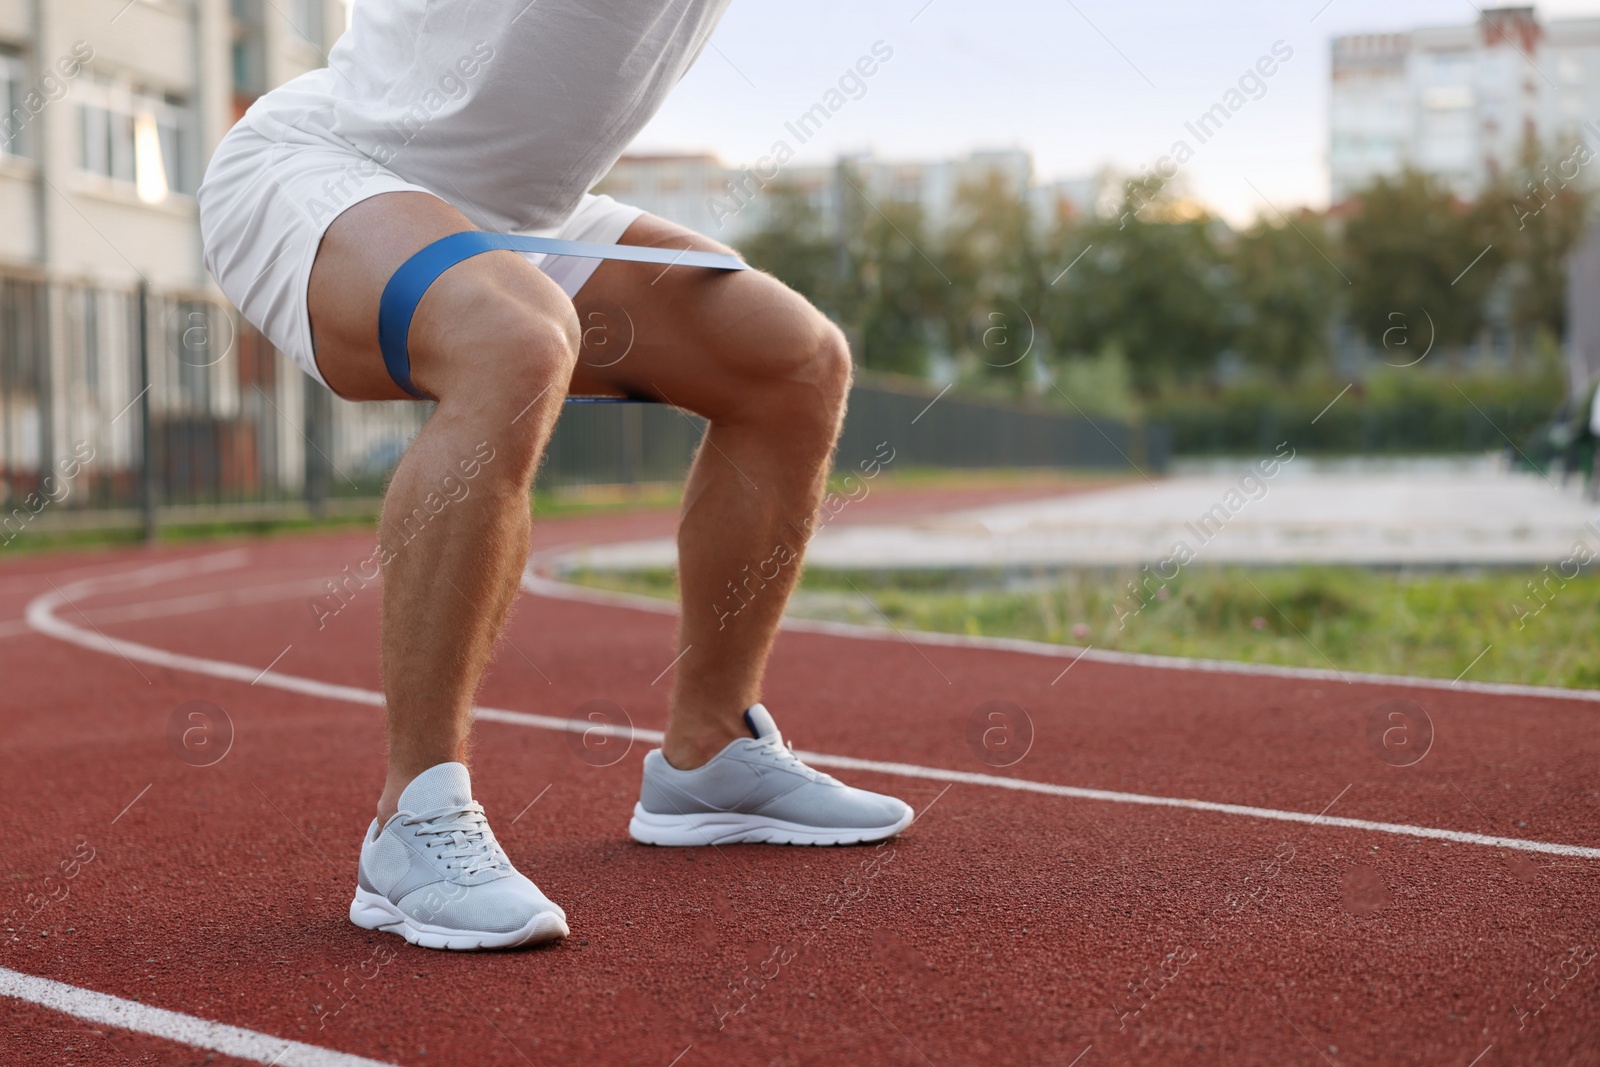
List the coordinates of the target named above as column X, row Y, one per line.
column 495, row 341
column 771, row 374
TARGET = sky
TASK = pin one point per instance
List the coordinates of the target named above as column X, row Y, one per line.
column 1080, row 84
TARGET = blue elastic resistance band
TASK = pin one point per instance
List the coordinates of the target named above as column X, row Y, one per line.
column 398, row 304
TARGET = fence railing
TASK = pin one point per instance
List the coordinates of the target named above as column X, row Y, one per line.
column 128, row 407
column 927, row 428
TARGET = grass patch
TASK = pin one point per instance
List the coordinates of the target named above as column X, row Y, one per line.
column 1427, row 623
column 47, row 539
column 547, row 504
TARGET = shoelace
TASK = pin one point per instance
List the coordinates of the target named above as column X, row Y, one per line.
column 462, row 836
column 783, row 751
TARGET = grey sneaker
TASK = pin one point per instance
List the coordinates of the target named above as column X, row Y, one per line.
column 435, row 875
column 757, row 790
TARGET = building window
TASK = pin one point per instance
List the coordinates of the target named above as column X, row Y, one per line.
column 1452, row 66
column 136, row 137
column 23, row 314
column 14, row 115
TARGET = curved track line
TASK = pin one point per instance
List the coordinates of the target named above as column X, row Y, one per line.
column 41, row 616
column 542, row 585
column 189, row 1030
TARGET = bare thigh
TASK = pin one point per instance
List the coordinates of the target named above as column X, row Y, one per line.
column 718, row 343
column 360, row 252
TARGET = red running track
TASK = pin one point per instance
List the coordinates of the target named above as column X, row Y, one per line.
column 1007, row 926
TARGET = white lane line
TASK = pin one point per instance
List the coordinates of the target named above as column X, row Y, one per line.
column 173, row 1026
column 540, row 585
column 183, row 605
column 186, row 605
column 1071, row 665
column 273, row 664
column 41, row 616
column 28, row 583
column 907, row 770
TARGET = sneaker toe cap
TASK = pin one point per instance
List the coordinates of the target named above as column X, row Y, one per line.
column 843, row 807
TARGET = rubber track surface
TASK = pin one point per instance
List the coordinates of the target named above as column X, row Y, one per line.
column 1004, row 927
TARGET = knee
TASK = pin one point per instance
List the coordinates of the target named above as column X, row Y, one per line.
column 832, row 368
column 534, row 358
column 500, row 356
column 523, row 397
column 811, row 381
column 506, row 370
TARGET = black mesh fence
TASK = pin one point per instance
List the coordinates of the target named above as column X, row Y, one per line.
column 930, row 429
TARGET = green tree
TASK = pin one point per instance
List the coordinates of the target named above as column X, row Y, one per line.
column 896, row 288
column 793, row 244
column 991, row 258
column 865, row 268
column 1285, row 292
column 1412, row 253
column 1538, row 215
column 1153, row 289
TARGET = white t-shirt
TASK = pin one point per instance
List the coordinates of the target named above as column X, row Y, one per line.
column 510, row 110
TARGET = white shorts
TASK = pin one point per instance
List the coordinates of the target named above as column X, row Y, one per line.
column 265, row 204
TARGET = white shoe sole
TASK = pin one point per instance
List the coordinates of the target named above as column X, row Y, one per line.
column 373, row 912
column 734, row 828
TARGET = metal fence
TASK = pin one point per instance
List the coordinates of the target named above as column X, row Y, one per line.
column 117, row 406
column 927, row 428
column 127, row 407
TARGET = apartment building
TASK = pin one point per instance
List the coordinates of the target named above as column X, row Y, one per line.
column 701, row 192
column 1460, row 101
column 109, row 110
